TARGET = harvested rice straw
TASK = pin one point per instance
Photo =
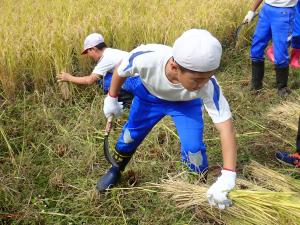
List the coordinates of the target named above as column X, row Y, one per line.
column 64, row 89
column 286, row 113
column 249, row 206
column 271, row 179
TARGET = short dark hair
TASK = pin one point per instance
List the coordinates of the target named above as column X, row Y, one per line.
column 101, row 46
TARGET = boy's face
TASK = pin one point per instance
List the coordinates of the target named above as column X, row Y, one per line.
column 193, row 81
column 93, row 53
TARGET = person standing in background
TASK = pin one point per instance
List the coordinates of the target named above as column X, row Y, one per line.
column 276, row 21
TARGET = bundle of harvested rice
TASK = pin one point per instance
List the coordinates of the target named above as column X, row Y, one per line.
column 249, row 206
column 271, row 179
column 286, row 113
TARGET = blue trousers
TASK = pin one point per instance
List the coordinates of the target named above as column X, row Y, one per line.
column 147, row 110
column 276, row 24
column 296, row 32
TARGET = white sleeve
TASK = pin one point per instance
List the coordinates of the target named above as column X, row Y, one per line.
column 104, row 66
column 214, row 102
column 133, row 63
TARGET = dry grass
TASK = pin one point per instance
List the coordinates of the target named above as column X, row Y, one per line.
column 271, row 179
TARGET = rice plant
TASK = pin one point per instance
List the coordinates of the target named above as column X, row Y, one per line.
column 42, row 38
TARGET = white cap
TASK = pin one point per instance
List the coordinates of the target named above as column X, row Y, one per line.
column 91, row 41
column 197, row 50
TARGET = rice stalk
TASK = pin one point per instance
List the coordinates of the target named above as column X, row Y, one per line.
column 265, row 128
column 249, row 206
column 39, row 43
column 271, row 179
column 287, row 114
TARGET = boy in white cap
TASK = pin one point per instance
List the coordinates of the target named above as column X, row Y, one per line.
column 176, row 82
column 107, row 59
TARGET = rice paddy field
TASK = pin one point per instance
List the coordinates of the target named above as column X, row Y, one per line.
column 51, row 145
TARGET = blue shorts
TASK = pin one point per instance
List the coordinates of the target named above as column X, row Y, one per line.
column 277, row 24
column 147, row 110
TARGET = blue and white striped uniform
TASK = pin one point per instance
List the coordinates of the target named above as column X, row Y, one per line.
column 156, row 97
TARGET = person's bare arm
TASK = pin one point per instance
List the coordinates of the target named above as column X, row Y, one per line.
column 116, row 83
column 86, row 80
column 228, row 144
column 256, row 5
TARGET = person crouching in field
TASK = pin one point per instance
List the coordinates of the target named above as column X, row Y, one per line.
column 291, row 159
column 107, row 59
column 175, row 82
column 276, row 21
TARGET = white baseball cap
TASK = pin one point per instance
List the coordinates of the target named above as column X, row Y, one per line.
column 197, row 50
column 91, row 41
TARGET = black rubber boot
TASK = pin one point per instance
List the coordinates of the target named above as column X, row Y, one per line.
column 113, row 175
column 258, row 71
column 282, row 76
column 126, row 98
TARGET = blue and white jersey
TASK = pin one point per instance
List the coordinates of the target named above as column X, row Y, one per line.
column 150, row 61
column 281, row 3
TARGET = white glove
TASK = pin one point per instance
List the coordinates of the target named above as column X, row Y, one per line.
column 112, row 107
column 217, row 193
column 249, row 17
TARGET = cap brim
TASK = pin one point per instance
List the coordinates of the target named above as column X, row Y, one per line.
column 84, row 52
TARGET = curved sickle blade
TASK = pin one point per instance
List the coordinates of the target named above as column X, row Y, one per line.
column 239, row 28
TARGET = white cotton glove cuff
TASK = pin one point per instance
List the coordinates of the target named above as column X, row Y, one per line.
column 249, row 16
column 112, row 107
column 229, row 176
column 217, row 193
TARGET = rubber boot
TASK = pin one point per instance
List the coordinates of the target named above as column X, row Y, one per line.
column 282, row 76
column 295, row 55
column 270, row 53
column 113, row 175
column 258, row 71
column 126, row 98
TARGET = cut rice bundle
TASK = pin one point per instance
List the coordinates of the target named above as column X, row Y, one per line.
column 262, row 207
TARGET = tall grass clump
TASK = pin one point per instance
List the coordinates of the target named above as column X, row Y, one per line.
column 40, row 38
